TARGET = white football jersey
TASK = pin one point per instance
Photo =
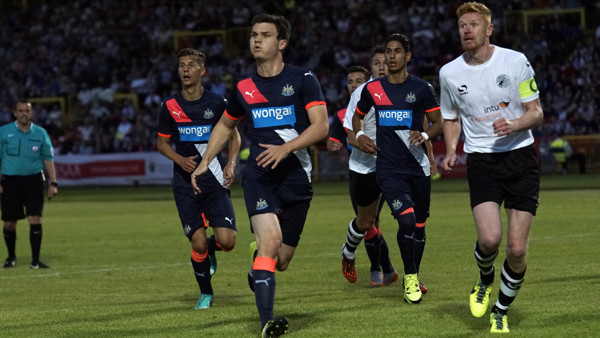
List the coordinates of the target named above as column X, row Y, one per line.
column 360, row 161
column 481, row 94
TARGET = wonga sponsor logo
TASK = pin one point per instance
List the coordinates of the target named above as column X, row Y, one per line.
column 395, row 118
column 273, row 116
column 195, row 133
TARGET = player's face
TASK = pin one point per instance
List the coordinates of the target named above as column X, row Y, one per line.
column 474, row 31
column 378, row 66
column 355, row 79
column 22, row 113
column 190, row 70
column 396, row 57
column 264, row 44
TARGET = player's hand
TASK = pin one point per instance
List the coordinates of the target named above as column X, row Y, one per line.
column 228, row 174
column 272, row 155
column 415, row 138
column 367, row 145
column 503, row 126
column 188, row 163
column 200, row 170
column 333, row 146
column 52, row 191
column 448, row 162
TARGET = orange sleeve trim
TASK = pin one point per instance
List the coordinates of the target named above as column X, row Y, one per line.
column 432, row 109
column 231, row 117
column 264, row 263
column 164, row 135
column 335, row 140
column 371, row 233
column 315, row 103
column 360, row 112
column 196, row 257
column 407, row 211
column 420, row 225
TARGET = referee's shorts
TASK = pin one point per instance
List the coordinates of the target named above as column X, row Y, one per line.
column 512, row 177
column 22, row 196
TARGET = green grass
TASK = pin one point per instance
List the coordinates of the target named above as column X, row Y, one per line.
column 120, row 267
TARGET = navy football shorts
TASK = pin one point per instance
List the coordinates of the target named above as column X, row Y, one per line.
column 511, row 177
column 290, row 202
column 364, row 190
column 405, row 191
column 206, row 209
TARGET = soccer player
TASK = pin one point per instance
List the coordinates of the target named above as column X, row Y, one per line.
column 338, row 134
column 401, row 101
column 25, row 150
column 186, row 120
column 286, row 112
column 492, row 91
column 366, row 195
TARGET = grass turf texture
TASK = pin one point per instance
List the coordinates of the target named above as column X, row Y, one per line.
column 120, row 267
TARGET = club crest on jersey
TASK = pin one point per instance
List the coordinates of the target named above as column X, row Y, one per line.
column 503, row 81
column 396, row 204
column 208, row 114
column 287, row 90
column 410, row 97
column 261, row 204
column 35, row 149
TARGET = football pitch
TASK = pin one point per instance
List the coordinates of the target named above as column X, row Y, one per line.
column 120, row 266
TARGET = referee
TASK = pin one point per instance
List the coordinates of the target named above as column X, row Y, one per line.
column 25, row 150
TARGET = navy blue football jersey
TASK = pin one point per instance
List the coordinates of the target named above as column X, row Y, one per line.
column 399, row 108
column 189, row 125
column 276, row 108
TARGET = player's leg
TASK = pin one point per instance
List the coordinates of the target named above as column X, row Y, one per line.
column 422, row 200
column 389, row 273
column 34, row 204
column 268, row 240
column 12, row 210
column 222, row 219
column 10, row 239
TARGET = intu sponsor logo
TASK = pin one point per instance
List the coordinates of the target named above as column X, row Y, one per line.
column 195, row 133
column 273, row 116
column 394, row 118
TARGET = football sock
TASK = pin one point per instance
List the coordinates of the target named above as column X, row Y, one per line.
column 406, row 241
column 486, row 264
column 372, row 242
column 352, row 240
column 384, row 255
column 419, row 244
column 264, row 287
column 35, row 239
column 201, row 266
column 509, row 287
column 10, row 238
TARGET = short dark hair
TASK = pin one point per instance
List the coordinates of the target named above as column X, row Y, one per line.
column 359, row 69
column 379, row 49
column 194, row 53
column 400, row 38
column 20, row 100
column 284, row 29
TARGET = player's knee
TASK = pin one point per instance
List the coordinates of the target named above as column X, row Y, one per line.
column 516, row 252
column 364, row 223
column 489, row 243
column 282, row 265
column 227, row 244
column 406, row 222
column 200, row 247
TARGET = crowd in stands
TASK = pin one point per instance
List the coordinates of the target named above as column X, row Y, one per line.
column 88, row 51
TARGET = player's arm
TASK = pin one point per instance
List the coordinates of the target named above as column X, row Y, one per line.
column 451, row 134
column 51, row 172
column 429, row 147
column 364, row 142
column 317, row 131
column 352, row 136
column 533, row 117
column 219, row 136
column 164, row 147
column 234, row 149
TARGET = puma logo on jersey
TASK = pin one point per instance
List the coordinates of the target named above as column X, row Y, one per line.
column 266, row 281
column 378, row 96
column 251, row 94
column 308, row 74
column 176, row 113
column 230, row 220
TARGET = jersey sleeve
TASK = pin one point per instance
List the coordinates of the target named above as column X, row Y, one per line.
column 47, row 151
column 430, row 102
column 365, row 102
column 528, row 90
column 337, row 132
column 312, row 95
column 354, row 98
column 166, row 124
column 234, row 109
column 449, row 110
